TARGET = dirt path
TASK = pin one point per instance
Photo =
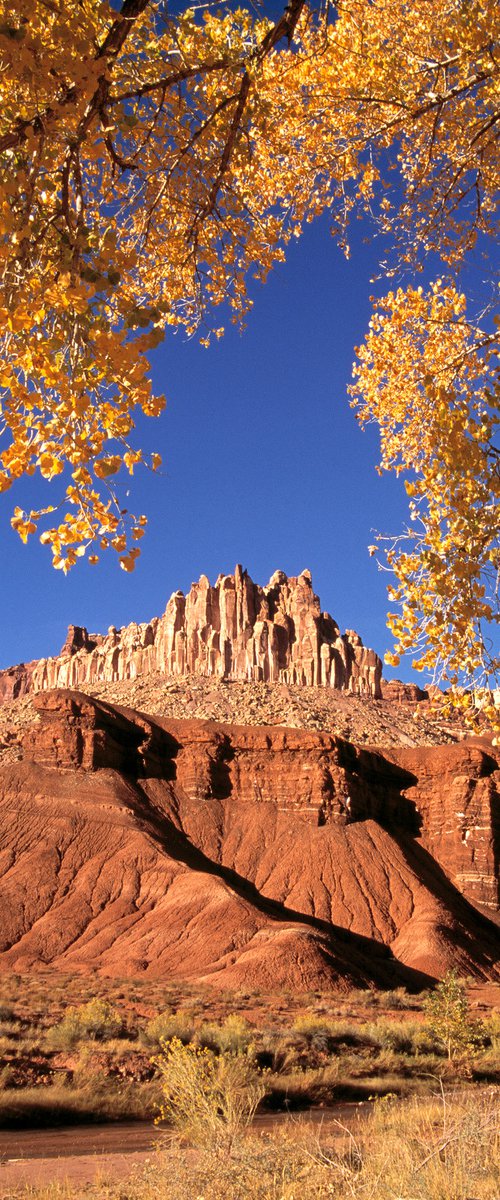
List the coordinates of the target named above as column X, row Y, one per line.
column 80, row 1155
column 87, row 1154
column 78, row 1171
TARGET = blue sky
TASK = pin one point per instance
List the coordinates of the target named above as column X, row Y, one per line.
column 264, row 464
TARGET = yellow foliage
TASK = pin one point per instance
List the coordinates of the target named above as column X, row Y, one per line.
column 426, row 376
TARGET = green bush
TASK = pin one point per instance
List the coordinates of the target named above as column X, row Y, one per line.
column 492, row 1030
column 400, row 1036
column 397, row 998
column 347, row 1033
column 276, row 1054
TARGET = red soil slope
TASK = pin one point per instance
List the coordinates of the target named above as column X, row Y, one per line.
column 245, row 856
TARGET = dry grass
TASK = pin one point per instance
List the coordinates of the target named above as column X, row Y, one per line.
column 96, row 1098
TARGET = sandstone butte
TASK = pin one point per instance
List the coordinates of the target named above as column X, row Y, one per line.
column 235, row 630
column 244, row 856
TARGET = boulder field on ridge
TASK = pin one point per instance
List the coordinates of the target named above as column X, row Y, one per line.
column 244, row 856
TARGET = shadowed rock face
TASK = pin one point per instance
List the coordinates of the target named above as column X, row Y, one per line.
column 243, row 856
column 235, row 630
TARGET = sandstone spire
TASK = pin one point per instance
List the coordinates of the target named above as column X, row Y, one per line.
column 234, row 630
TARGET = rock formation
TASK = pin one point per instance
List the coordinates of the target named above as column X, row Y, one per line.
column 243, row 856
column 234, row 630
column 402, row 693
column 16, row 681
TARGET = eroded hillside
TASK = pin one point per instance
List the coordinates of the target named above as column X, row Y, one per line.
column 243, row 855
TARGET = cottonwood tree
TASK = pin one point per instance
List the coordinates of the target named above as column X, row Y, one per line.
column 150, row 163
column 425, row 374
column 449, row 1018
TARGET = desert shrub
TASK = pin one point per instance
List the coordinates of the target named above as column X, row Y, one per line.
column 234, row 1036
column 486, row 1067
column 9, row 1031
column 208, row 1036
column 7, row 1013
column 299, row 1088
column 5, row 1044
column 425, row 1042
column 275, row 1054
column 487, row 1063
column 209, row 1098
column 344, row 1033
column 394, row 1035
column 367, row 997
column 492, row 1031
column 449, row 1019
column 398, row 998
column 329, row 1037
column 66, row 1102
column 7, row 1077
column 167, row 1025
column 88, row 1075
column 316, row 1033
column 96, row 1020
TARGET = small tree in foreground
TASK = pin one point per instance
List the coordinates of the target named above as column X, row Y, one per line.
column 208, row 1098
column 449, row 1019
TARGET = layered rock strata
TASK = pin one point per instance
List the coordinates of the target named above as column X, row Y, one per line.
column 241, row 856
column 234, row 630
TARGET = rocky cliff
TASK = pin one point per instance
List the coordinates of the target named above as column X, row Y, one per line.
column 243, row 856
column 234, row 630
